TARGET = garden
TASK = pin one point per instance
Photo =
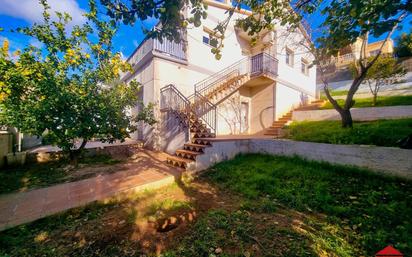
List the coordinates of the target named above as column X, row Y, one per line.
column 253, row 205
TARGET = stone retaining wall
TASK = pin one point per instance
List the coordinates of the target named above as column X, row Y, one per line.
column 388, row 160
column 361, row 114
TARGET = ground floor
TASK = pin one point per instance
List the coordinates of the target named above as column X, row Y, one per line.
column 249, row 110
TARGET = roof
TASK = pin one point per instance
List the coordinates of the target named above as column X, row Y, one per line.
column 389, row 251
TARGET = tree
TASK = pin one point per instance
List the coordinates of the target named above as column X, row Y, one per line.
column 70, row 90
column 385, row 72
column 345, row 22
column 349, row 21
column 403, row 46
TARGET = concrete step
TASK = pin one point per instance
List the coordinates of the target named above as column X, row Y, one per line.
column 194, row 147
column 277, row 126
column 279, row 123
column 187, row 154
column 178, row 161
column 285, row 119
column 201, row 141
column 203, row 135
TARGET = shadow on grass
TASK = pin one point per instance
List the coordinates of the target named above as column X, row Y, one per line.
column 254, row 205
column 368, row 211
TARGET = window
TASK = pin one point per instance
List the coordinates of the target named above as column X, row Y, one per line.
column 206, row 40
column 304, row 67
column 289, row 57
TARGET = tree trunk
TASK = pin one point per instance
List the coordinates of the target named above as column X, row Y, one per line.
column 346, row 116
column 375, row 96
column 75, row 154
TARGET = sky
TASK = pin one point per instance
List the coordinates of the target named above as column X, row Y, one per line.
column 20, row 13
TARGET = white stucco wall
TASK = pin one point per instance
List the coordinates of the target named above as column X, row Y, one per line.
column 199, row 54
column 286, row 99
column 293, row 74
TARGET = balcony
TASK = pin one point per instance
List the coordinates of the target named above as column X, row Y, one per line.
column 153, row 47
column 263, row 69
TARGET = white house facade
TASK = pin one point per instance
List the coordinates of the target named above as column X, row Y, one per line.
column 197, row 97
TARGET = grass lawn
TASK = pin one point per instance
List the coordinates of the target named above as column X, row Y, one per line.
column 45, row 174
column 254, row 205
column 381, row 132
column 360, row 212
column 381, row 101
column 334, row 93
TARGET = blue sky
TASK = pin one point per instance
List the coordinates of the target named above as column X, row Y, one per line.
column 19, row 13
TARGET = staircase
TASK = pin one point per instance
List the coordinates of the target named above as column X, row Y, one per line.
column 191, row 116
column 197, row 113
column 276, row 128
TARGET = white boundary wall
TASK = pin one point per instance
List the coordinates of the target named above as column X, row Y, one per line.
column 361, row 114
column 388, row 160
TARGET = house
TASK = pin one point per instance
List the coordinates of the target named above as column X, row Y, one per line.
column 350, row 53
column 249, row 91
column 336, row 68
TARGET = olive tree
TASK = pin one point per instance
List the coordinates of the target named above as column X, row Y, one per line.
column 384, row 73
column 70, row 90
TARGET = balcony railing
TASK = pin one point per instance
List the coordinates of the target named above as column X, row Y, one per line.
column 263, row 63
column 166, row 48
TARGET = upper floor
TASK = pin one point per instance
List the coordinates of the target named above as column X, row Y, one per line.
column 193, row 54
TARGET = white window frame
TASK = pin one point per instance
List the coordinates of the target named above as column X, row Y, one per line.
column 304, row 68
column 290, row 57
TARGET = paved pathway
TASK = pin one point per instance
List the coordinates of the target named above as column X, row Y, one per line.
column 147, row 170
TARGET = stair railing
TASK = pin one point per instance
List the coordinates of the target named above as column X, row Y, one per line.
column 262, row 63
column 209, row 84
column 205, row 111
column 171, row 99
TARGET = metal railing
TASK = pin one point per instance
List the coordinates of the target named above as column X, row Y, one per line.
column 262, row 63
column 176, row 50
column 206, row 111
column 167, row 47
column 206, row 86
column 171, row 99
